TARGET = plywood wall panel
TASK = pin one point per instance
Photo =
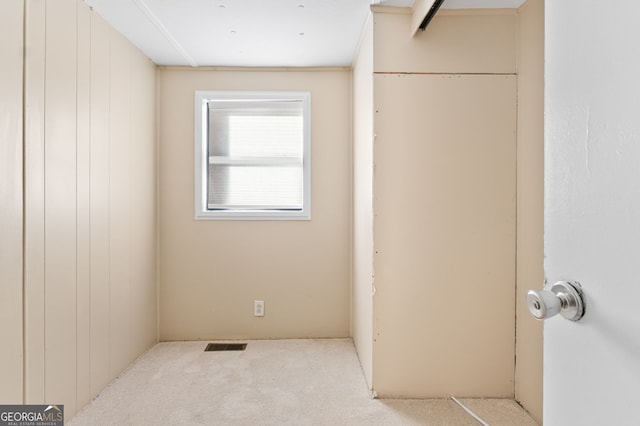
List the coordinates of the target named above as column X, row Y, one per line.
column 83, row 206
column 455, row 42
column 142, row 195
column 444, row 206
column 34, row 279
column 119, row 206
column 11, row 212
column 80, row 202
column 99, row 203
column 60, row 207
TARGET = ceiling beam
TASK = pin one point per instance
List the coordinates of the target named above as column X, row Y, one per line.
column 422, row 13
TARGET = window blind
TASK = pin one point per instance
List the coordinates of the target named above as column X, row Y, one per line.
column 255, row 152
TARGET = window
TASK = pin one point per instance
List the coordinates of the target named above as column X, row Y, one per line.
column 252, row 155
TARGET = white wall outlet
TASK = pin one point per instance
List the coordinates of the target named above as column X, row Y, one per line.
column 258, row 308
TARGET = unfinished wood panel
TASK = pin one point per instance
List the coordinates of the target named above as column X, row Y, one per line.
column 99, row 203
column 60, row 208
column 455, row 42
column 83, row 205
column 119, row 206
column 11, row 42
column 444, row 208
column 34, row 201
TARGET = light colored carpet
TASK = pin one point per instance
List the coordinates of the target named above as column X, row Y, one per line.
column 272, row 382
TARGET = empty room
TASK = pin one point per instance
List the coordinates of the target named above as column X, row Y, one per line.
column 318, row 212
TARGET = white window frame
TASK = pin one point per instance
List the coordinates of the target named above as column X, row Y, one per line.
column 202, row 98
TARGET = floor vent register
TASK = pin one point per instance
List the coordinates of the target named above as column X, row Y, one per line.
column 214, row 347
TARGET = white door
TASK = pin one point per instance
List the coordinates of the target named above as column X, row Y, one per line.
column 592, row 210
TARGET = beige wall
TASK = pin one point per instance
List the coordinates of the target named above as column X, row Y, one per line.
column 212, row 270
column 443, row 205
column 362, row 279
column 11, row 14
column 90, row 245
column 444, row 235
column 530, row 202
column 456, row 41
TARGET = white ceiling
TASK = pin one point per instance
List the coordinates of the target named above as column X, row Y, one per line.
column 251, row 33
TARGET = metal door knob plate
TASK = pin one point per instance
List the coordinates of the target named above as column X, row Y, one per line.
column 565, row 298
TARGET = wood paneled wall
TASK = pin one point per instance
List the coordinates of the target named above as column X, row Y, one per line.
column 89, row 191
column 11, row 30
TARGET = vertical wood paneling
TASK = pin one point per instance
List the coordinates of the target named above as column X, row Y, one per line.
column 100, row 301
column 148, row 215
column 60, row 208
column 119, row 208
column 83, row 225
column 34, row 201
column 11, row 356
column 86, row 317
column 142, row 199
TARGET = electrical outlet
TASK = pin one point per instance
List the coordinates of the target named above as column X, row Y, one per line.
column 258, row 308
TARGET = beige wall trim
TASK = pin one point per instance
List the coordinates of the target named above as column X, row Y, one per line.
column 158, row 197
column 477, row 12
column 441, row 73
column 444, row 12
column 252, row 69
column 391, row 10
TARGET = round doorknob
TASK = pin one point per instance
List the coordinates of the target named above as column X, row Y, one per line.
column 565, row 298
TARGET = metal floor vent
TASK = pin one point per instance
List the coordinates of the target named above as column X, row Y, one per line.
column 211, row 347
